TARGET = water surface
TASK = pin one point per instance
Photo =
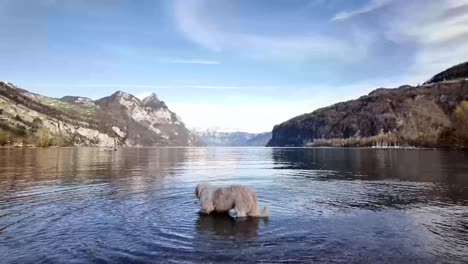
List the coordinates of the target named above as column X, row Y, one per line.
column 86, row 205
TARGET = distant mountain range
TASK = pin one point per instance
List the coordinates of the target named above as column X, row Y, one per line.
column 434, row 114
column 119, row 119
column 235, row 139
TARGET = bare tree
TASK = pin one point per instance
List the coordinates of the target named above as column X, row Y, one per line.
column 42, row 136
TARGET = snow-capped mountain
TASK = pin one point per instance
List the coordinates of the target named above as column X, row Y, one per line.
column 212, row 137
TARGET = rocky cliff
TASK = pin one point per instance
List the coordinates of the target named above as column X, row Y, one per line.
column 120, row 119
column 428, row 115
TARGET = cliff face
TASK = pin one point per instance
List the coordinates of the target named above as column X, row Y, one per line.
column 120, row 119
column 148, row 122
column 422, row 115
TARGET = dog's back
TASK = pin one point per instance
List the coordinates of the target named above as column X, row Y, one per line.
column 238, row 197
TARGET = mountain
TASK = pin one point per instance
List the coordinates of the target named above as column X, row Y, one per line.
column 119, row 119
column 456, row 72
column 234, row 139
column 434, row 115
column 260, row 139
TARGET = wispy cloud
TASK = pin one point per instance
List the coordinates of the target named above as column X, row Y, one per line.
column 155, row 87
column 181, row 61
column 74, row 85
column 194, row 21
column 457, row 3
column 371, row 6
column 433, row 33
column 143, row 95
column 437, row 28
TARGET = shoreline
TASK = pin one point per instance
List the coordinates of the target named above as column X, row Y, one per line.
column 272, row 147
column 396, row 148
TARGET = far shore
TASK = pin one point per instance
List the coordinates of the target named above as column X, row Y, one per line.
column 304, row 147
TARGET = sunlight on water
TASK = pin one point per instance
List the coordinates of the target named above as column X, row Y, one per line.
column 340, row 205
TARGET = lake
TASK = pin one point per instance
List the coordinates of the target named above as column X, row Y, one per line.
column 137, row 205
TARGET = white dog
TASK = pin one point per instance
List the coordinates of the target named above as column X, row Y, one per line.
column 238, row 200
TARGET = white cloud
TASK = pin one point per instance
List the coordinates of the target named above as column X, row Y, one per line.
column 143, row 95
column 180, row 61
column 371, row 6
column 438, row 30
column 457, row 3
column 434, row 33
column 155, row 87
column 434, row 28
column 197, row 23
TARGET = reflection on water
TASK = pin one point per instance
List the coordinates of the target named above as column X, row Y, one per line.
column 371, row 164
column 224, row 225
column 326, row 205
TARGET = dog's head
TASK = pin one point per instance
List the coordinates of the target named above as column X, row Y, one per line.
column 199, row 189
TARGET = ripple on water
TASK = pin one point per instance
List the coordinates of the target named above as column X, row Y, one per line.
column 139, row 206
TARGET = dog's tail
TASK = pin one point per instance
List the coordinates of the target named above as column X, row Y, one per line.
column 257, row 212
column 265, row 212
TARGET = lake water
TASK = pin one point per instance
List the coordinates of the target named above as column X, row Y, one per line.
column 84, row 205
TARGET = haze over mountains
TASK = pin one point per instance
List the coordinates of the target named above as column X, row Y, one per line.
column 234, row 139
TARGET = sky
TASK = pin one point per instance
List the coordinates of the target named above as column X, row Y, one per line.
column 229, row 64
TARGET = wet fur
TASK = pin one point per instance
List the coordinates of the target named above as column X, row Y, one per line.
column 238, row 200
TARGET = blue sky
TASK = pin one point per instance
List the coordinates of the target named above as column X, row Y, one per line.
column 238, row 64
